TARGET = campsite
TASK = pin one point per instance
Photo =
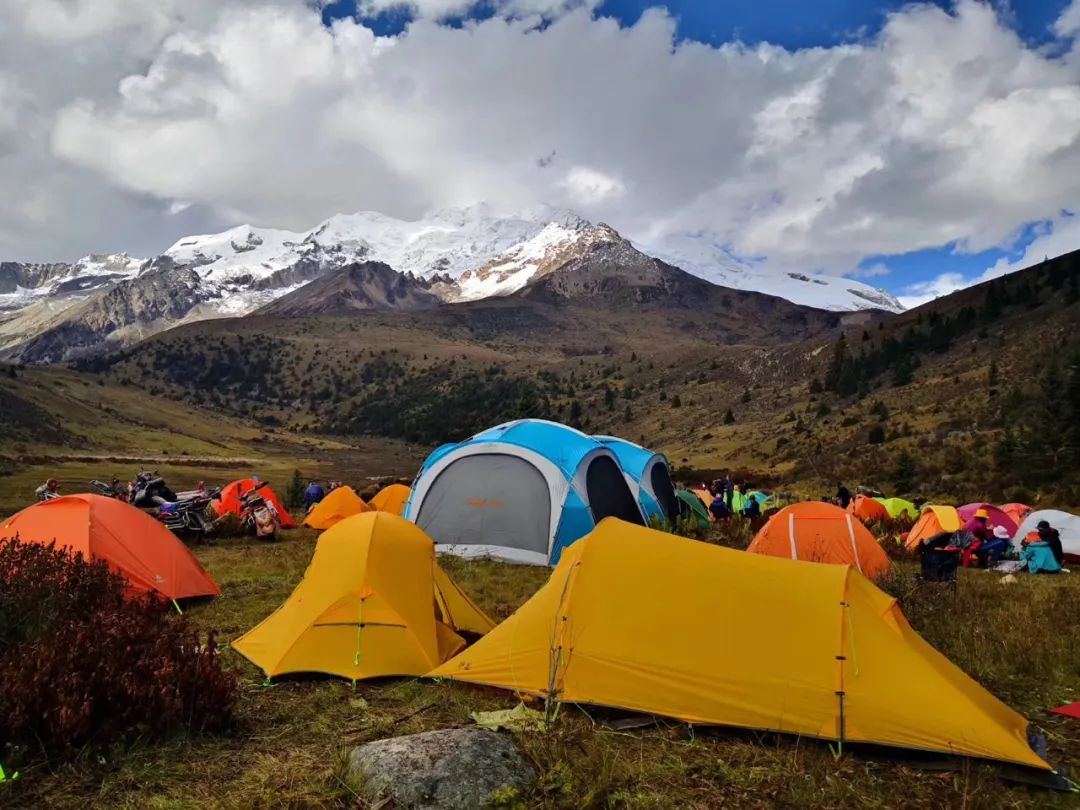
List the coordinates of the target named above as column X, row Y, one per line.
column 555, row 404
column 307, row 627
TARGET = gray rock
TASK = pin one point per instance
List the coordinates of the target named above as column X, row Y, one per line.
column 455, row 769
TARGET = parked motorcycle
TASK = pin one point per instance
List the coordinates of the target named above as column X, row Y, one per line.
column 186, row 513
column 114, row 490
column 257, row 515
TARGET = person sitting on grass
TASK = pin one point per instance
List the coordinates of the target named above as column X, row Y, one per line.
column 1037, row 554
column 973, row 535
column 1052, row 538
column 752, row 509
column 990, row 553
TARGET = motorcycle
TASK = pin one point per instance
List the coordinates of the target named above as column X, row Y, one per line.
column 186, row 513
column 257, row 515
column 113, row 490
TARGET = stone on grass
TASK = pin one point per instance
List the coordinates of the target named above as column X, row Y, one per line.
column 455, row 769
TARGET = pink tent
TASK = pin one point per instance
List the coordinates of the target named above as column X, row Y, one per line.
column 996, row 517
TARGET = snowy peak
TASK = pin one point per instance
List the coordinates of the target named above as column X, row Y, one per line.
column 699, row 254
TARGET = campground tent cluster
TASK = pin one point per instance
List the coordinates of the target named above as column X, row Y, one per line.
column 818, row 650
column 629, row 607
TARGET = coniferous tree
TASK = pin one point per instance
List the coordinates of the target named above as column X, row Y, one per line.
column 729, row 417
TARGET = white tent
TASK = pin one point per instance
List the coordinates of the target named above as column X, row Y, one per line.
column 1068, row 527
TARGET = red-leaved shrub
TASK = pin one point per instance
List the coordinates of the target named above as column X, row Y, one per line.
column 81, row 666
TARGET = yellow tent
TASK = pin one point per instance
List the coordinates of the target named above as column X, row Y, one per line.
column 373, row 602
column 391, row 499
column 638, row 619
column 339, row 504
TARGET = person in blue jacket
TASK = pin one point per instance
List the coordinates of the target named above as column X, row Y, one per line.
column 312, row 495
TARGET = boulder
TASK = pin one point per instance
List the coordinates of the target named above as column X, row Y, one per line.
column 454, row 769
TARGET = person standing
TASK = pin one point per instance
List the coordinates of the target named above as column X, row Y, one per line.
column 312, row 495
column 843, row 496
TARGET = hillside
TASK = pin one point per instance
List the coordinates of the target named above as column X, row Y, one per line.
column 716, row 378
column 75, row 427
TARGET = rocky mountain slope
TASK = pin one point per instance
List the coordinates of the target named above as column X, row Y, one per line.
column 354, row 288
column 58, row 312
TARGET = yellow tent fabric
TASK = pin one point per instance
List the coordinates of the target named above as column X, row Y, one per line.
column 899, row 506
column 343, row 502
column 391, row 499
column 932, row 520
column 638, row 619
column 373, row 602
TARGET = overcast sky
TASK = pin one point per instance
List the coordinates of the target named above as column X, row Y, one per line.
column 920, row 147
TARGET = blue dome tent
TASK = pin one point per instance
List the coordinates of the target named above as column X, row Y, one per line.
column 522, row 491
column 651, row 474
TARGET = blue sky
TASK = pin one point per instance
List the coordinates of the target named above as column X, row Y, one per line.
column 797, row 24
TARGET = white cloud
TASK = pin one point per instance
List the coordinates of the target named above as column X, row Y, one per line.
column 875, row 270
column 590, row 187
column 945, row 128
column 1068, row 24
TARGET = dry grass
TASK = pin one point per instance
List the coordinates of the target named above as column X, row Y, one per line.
column 1019, row 641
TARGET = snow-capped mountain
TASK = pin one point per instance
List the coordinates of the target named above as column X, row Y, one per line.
column 56, row 311
column 703, row 257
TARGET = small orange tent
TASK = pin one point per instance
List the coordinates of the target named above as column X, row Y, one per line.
column 867, row 509
column 1017, row 511
column 339, row 504
column 230, row 501
column 391, row 499
column 820, row 532
column 933, row 520
column 130, row 541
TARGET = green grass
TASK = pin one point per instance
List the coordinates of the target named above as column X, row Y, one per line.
column 1020, row 641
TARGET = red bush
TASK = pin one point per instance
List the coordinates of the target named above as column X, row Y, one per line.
column 94, row 669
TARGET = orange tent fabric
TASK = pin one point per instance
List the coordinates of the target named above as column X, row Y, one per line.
column 230, row 501
column 391, row 499
column 933, row 520
column 820, row 532
column 339, row 504
column 1017, row 511
column 868, row 509
column 132, row 543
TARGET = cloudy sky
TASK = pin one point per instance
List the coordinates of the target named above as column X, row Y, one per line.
column 920, row 147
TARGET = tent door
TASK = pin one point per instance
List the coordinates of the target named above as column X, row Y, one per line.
column 609, row 495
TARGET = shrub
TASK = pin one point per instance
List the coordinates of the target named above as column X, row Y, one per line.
column 95, row 668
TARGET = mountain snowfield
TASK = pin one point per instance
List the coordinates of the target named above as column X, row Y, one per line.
column 465, row 253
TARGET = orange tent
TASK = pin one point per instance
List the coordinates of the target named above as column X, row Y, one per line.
column 230, row 501
column 1017, row 511
column 867, row 509
column 820, row 532
column 391, row 499
column 339, row 504
column 130, row 541
column 933, row 520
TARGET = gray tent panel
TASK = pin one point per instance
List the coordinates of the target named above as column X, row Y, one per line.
column 489, row 499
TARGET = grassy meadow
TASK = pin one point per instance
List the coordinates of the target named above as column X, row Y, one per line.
column 1020, row 641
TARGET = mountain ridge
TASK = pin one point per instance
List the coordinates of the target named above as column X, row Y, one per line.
column 467, row 254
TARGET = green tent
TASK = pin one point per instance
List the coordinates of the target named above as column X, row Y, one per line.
column 692, row 507
column 898, row 506
column 758, row 496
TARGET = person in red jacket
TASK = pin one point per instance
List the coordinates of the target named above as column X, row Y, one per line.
column 979, row 529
